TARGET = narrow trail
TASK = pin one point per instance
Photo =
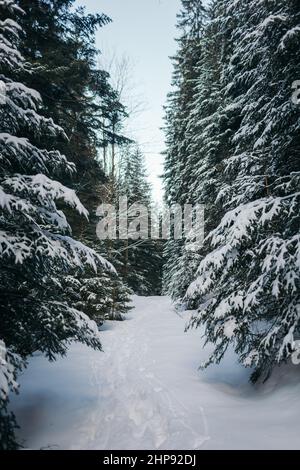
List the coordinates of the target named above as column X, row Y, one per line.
column 139, row 399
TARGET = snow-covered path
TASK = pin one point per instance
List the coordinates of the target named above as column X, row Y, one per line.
column 142, row 385
column 144, row 392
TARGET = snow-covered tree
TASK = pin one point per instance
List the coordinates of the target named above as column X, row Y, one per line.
column 247, row 285
column 140, row 260
column 102, row 296
column 178, row 271
column 59, row 41
column 36, row 247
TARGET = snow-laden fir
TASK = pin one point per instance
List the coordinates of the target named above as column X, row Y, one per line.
column 232, row 135
column 36, row 246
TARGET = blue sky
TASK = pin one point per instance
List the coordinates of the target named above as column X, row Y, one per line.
column 144, row 32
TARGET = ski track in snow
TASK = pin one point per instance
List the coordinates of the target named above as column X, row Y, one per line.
column 145, row 392
column 138, row 397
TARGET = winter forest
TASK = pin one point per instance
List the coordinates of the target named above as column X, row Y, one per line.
column 114, row 334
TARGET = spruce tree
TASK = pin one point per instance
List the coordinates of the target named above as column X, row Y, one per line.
column 36, row 246
column 141, row 259
column 248, row 283
column 179, row 266
column 209, row 128
column 59, row 41
column 102, row 296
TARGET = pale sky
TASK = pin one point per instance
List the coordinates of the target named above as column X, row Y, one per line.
column 143, row 31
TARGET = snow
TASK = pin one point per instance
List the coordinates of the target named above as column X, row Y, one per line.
column 145, row 392
column 45, row 189
column 229, row 327
column 271, row 19
column 5, row 49
column 11, row 5
column 6, row 372
column 288, row 36
column 27, row 154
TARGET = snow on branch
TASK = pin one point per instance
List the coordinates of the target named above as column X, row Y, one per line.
column 44, row 190
column 17, row 149
column 7, row 372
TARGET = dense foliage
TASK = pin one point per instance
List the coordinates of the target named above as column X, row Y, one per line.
column 233, row 144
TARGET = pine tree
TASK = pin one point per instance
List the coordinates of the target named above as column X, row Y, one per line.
column 36, row 246
column 248, row 283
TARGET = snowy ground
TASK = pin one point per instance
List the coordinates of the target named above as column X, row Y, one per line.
column 145, row 392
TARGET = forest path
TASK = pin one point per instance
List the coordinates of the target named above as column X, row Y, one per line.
column 145, row 392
